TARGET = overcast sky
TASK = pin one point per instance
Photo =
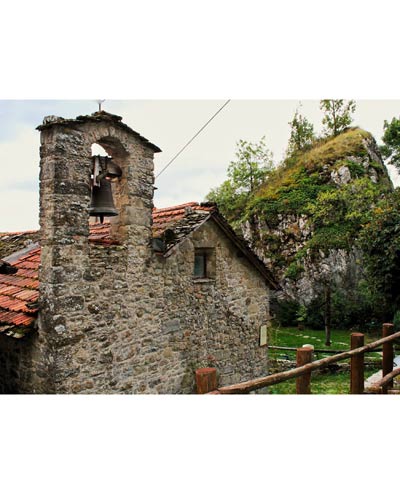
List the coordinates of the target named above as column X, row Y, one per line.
column 169, row 124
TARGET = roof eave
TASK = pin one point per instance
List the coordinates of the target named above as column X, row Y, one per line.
column 173, row 249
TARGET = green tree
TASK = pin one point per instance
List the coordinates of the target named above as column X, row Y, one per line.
column 337, row 115
column 228, row 200
column 246, row 173
column 380, row 242
column 301, row 134
column 251, row 167
column 391, row 139
column 338, row 214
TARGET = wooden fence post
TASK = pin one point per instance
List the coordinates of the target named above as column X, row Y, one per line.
column 357, row 365
column 206, row 380
column 387, row 354
column 303, row 382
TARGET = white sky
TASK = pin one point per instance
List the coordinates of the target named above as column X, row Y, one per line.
column 169, row 124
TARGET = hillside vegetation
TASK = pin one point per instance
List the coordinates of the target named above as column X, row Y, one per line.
column 317, row 200
column 305, row 222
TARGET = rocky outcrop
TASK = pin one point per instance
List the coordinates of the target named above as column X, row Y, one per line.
column 282, row 227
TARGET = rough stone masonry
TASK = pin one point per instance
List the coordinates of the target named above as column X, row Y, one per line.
column 122, row 317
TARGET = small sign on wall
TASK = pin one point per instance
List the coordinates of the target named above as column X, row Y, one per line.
column 263, row 335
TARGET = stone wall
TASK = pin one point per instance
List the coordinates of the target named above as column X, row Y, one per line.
column 214, row 322
column 149, row 336
column 16, row 364
column 121, row 319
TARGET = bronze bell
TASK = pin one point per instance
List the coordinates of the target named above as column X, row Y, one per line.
column 113, row 171
column 102, row 203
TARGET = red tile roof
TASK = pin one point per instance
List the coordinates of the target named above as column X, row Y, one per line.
column 164, row 218
column 19, row 292
column 100, row 234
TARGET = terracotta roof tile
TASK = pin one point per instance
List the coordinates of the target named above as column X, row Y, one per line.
column 15, row 318
column 27, row 295
column 13, row 304
column 26, row 273
column 28, row 265
column 19, row 292
column 9, row 289
column 170, row 217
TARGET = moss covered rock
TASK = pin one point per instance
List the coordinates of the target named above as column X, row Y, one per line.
column 305, row 220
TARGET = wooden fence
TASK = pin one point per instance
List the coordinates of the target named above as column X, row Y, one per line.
column 206, row 379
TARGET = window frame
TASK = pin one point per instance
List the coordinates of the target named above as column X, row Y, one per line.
column 209, row 255
column 200, row 252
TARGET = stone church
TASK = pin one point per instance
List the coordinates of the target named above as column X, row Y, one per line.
column 134, row 300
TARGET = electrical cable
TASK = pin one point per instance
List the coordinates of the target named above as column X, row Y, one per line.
column 194, row 137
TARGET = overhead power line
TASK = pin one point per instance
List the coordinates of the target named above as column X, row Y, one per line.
column 192, row 139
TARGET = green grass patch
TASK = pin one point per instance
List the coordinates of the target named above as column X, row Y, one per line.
column 329, row 152
column 326, row 383
column 293, row 337
column 332, row 383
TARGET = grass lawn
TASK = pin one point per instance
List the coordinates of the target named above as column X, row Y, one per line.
column 333, row 383
column 330, row 383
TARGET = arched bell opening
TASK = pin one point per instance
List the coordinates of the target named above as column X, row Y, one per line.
column 120, row 191
column 97, row 149
column 105, row 176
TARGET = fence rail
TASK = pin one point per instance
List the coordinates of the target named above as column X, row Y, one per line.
column 382, row 386
column 318, row 351
column 305, row 367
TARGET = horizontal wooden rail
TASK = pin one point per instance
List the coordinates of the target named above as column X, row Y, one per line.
column 319, row 351
column 383, row 382
column 252, row 385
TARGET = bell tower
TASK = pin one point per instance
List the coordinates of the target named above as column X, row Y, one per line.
column 76, row 276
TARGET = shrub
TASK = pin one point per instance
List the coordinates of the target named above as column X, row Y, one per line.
column 285, row 312
column 396, row 321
